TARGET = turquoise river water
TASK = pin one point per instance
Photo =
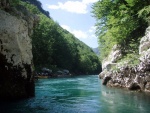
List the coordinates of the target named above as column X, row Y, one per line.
column 82, row 94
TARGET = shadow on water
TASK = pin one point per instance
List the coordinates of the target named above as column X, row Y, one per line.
column 79, row 95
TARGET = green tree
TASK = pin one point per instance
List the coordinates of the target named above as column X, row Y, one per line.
column 118, row 23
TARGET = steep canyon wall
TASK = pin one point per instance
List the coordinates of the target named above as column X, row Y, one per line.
column 16, row 78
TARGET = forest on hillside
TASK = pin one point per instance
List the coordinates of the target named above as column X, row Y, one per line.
column 56, row 48
column 121, row 22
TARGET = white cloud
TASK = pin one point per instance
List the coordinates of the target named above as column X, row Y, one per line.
column 66, row 27
column 93, row 36
column 92, row 29
column 71, row 6
column 89, row 1
column 81, row 34
column 79, row 7
column 52, row 6
column 75, row 7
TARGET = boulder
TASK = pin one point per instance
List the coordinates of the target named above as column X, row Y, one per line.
column 102, row 75
column 46, row 70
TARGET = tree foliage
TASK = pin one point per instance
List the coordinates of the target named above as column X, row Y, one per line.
column 13, row 2
column 118, row 22
column 56, row 48
column 38, row 4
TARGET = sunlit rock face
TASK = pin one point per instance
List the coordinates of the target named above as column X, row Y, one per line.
column 133, row 78
column 145, row 43
column 144, row 51
column 114, row 55
column 16, row 78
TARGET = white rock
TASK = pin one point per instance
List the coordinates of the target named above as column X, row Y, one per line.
column 114, row 55
column 145, row 42
column 15, row 42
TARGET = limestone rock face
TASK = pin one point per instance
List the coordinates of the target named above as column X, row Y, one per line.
column 16, row 79
column 145, row 42
column 114, row 55
column 133, row 78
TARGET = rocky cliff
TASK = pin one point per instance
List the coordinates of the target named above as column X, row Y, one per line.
column 16, row 78
column 125, row 76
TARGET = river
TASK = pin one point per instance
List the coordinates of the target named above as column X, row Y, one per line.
column 82, row 94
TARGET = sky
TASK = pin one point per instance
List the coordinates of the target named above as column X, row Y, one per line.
column 74, row 16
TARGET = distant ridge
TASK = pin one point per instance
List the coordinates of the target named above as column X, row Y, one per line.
column 96, row 51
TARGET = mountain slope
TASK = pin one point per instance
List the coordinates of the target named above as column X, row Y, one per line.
column 56, row 48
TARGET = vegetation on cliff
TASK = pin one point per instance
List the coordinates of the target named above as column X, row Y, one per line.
column 56, row 48
column 121, row 22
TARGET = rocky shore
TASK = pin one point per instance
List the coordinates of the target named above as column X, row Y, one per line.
column 122, row 75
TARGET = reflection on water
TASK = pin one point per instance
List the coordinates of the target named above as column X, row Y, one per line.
column 124, row 101
column 79, row 95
